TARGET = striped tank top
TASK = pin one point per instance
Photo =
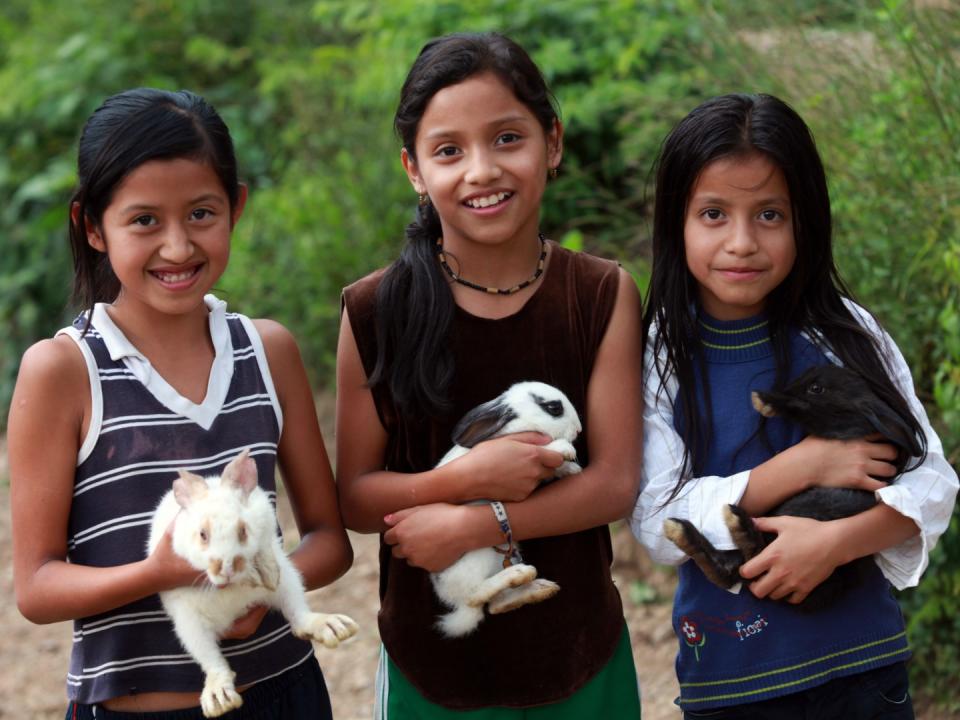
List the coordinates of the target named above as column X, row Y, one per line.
column 141, row 433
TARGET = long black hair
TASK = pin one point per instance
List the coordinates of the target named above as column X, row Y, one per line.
column 812, row 296
column 127, row 130
column 415, row 307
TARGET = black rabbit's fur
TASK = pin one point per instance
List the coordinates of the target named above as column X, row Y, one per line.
column 829, row 402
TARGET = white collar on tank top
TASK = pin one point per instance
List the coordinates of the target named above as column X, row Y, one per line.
column 120, row 348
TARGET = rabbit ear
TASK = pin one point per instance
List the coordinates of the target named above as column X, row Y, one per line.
column 241, row 472
column 482, row 423
column 893, row 427
column 188, row 487
column 265, row 565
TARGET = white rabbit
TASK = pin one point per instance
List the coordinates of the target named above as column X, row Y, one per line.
column 480, row 577
column 227, row 527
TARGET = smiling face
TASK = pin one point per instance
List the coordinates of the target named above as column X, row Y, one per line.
column 483, row 158
column 738, row 235
column 167, row 234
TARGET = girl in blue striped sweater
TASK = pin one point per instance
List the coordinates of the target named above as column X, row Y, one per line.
column 745, row 296
column 156, row 376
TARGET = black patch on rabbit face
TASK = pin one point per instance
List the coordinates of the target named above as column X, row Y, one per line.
column 553, row 408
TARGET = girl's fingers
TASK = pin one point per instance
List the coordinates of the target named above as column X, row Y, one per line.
column 871, row 484
column 882, row 451
column 879, row 468
column 550, row 459
column 393, row 518
column 534, row 438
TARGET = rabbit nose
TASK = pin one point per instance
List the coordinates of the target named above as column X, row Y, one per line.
column 219, row 568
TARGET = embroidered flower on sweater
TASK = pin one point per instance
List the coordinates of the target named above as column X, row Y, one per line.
column 693, row 636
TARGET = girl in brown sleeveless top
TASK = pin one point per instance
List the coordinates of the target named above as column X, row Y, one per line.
column 478, row 300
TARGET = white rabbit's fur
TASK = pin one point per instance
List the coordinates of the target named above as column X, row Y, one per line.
column 479, row 577
column 227, row 527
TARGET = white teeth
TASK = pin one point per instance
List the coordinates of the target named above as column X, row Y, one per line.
column 175, row 277
column 482, row 202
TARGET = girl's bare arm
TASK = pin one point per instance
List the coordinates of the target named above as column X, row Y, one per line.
column 324, row 552
column 49, row 413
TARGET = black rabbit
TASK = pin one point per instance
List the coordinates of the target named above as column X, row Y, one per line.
column 829, row 402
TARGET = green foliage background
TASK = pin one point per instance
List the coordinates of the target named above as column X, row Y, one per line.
column 308, row 89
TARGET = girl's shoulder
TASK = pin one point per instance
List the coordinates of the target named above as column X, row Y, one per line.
column 58, row 359
column 279, row 346
column 53, row 378
column 359, row 297
column 584, row 263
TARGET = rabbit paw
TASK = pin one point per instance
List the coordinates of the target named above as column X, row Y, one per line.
column 564, row 447
column 512, row 598
column 568, row 468
column 219, row 695
column 513, row 576
column 329, row 629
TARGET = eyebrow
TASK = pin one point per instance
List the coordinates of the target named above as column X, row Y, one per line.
column 206, row 197
column 447, row 132
column 719, row 200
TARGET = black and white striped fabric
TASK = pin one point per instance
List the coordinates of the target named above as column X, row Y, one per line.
column 141, row 433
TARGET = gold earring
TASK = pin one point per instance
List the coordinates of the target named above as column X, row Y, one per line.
column 554, row 171
column 424, row 199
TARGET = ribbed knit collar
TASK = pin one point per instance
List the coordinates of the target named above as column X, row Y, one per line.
column 734, row 340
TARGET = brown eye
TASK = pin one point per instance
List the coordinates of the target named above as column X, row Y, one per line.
column 204, row 536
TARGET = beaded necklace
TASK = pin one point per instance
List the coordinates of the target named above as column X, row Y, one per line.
column 492, row 290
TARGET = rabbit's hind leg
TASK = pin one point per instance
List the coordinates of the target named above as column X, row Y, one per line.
column 512, row 598
column 720, row 566
column 744, row 533
column 511, row 577
column 219, row 693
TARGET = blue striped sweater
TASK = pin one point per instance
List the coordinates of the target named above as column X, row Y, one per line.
column 734, row 648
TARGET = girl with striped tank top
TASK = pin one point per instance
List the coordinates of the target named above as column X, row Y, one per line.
column 153, row 377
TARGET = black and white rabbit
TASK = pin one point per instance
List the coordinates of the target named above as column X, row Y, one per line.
column 481, row 577
column 829, row 402
column 227, row 527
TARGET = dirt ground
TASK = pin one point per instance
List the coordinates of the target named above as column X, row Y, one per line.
column 33, row 659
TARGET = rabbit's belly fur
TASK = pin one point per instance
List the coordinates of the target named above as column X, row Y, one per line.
column 218, row 607
column 458, row 583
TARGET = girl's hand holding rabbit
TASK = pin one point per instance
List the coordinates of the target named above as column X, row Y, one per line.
column 849, row 463
column 435, row 536
column 507, row 468
column 804, row 554
column 169, row 569
column 247, row 624
column 818, row 462
column 807, row 551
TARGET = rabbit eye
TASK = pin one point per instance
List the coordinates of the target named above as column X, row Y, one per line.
column 815, row 389
column 554, row 408
column 204, row 536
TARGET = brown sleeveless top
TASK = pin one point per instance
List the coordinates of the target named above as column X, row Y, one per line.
column 539, row 653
